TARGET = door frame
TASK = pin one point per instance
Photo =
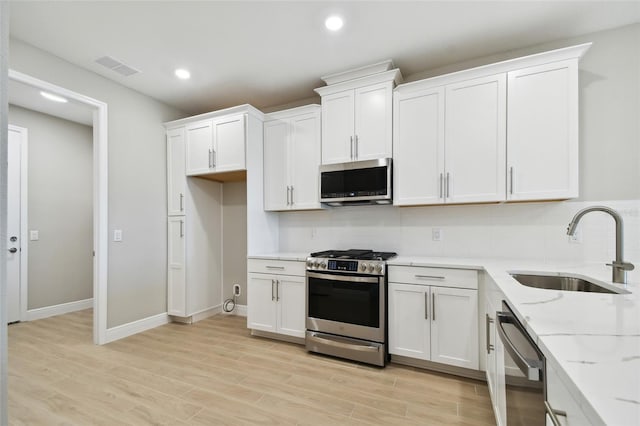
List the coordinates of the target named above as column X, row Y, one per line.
column 100, row 200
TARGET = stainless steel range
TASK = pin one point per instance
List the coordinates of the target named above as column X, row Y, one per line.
column 347, row 304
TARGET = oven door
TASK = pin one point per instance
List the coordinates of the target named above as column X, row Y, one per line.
column 346, row 305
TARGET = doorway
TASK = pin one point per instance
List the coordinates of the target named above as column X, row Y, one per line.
column 100, row 199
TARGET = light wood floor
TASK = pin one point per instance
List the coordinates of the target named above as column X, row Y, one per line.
column 214, row 373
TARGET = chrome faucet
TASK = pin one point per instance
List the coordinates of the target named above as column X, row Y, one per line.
column 620, row 267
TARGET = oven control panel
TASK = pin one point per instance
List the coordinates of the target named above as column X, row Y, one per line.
column 346, row 265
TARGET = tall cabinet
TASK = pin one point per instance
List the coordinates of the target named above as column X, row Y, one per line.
column 194, row 204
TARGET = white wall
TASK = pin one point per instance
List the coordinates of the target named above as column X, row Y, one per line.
column 609, row 164
column 137, row 182
column 4, row 65
column 60, row 198
column 234, row 237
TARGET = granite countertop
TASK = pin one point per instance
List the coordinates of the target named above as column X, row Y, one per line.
column 593, row 339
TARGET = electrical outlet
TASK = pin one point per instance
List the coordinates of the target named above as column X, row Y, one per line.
column 576, row 238
column 236, row 290
column 117, row 235
column 34, row 235
column 436, row 234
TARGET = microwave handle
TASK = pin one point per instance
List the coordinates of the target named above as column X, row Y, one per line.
column 530, row 369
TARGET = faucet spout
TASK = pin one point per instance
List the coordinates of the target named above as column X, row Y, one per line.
column 620, row 267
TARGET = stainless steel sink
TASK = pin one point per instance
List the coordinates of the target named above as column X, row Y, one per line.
column 561, row 282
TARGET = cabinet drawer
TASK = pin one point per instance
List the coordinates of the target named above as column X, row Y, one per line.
column 444, row 277
column 280, row 267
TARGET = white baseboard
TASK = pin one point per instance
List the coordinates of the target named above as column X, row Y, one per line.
column 197, row 316
column 129, row 329
column 239, row 310
column 63, row 308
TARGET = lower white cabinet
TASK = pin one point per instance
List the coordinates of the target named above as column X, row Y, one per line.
column 275, row 302
column 560, row 400
column 432, row 322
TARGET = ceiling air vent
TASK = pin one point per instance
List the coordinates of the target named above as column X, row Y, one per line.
column 117, row 66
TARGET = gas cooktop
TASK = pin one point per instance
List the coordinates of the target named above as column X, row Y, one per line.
column 355, row 254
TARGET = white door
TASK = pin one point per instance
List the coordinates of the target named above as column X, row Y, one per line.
column 304, row 151
column 418, row 147
column 261, row 302
column 17, row 137
column 199, row 141
column 177, row 180
column 291, row 307
column 276, row 185
column 373, row 117
column 475, row 140
column 454, row 327
column 337, row 127
column 176, row 273
column 409, row 314
column 229, row 143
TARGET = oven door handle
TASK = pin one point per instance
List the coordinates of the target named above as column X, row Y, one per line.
column 342, row 345
column 532, row 369
column 346, row 278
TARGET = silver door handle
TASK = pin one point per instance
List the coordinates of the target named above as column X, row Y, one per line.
column 351, row 149
column 277, row 290
column 274, row 267
column 433, row 307
column 440, row 194
column 553, row 414
column 447, row 193
column 213, row 158
column 13, row 250
column 181, row 229
column 426, row 305
column 288, row 189
column 488, row 322
column 291, row 194
column 429, row 277
column 181, row 201
column 511, row 180
column 210, row 159
column 356, row 145
column 272, row 293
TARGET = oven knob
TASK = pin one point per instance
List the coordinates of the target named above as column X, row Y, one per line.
column 316, row 265
column 310, row 263
column 378, row 268
column 323, row 265
column 371, row 268
column 363, row 267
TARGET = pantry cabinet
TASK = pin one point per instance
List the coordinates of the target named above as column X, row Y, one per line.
column 357, row 118
column 429, row 319
column 292, row 159
column 176, row 177
column 276, row 297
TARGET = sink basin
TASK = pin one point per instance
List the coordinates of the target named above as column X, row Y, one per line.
column 561, row 282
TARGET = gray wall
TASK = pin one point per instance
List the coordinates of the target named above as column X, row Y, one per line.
column 137, row 182
column 60, row 207
column 234, row 239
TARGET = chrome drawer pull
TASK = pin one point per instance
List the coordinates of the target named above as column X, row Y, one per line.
column 430, row 277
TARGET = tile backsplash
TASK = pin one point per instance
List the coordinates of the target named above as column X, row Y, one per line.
column 535, row 231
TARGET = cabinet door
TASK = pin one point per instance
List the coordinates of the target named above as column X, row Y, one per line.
column 454, row 327
column 418, row 147
column 542, row 132
column 176, row 174
column 199, row 141
column 229, row 143
column 290, row 296
column 490, row 348
column 261, row 302
column 409, row 313
column 176, row 273
column 338, row 127
column 304, row 161
column 373, row 118
column 276, row 195
column 475, row 142
column 560, row 398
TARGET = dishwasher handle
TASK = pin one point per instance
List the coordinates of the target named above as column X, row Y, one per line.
column 531, row 368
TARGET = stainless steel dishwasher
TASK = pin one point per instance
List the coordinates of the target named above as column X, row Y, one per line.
column 523, row 372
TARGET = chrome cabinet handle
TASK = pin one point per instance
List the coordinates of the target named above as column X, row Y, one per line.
column 426, row 305
column 447, row 193
column 429, row 277
column 288, row 203
column 181, row 202
column 210, row 158
column 277, row 290
column 274, row 267
column 532, row 369
column 213, row 158
column 272, row 293
column 553, row 414
column 181, row 228
column 441, row 190
column 488, row 322
column 351, row 149
column 356, row 145
column 291, row 194
column 511, row 180
column 433, row 307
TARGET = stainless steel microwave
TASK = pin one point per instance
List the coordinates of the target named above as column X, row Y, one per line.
column 358, row 182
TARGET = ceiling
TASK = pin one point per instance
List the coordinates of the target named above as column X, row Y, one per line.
column 269, row 53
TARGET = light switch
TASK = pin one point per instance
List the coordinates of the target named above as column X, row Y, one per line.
column 34, row 235
column 117, row 235
column 436, row 234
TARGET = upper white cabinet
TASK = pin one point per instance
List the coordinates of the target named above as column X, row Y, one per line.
column 501, row 132
column 291, row 159
column 357, row 118
column 176, row 178
column 542, row 132
column 216, row 145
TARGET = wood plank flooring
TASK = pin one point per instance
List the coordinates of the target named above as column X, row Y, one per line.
column 214, row 373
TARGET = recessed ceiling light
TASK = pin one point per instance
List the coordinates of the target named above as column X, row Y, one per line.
column 333, row 23
column 52, row 97
column 183, row 74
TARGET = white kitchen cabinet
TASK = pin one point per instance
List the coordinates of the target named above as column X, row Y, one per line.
column 542, row 132
column 275, row 301
column 434, row 322
column 357, row 118
column 176, row 275
column 475, row 144
column 291, row 159
column 216, row 145
column 559, row 399
column 176, row 177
